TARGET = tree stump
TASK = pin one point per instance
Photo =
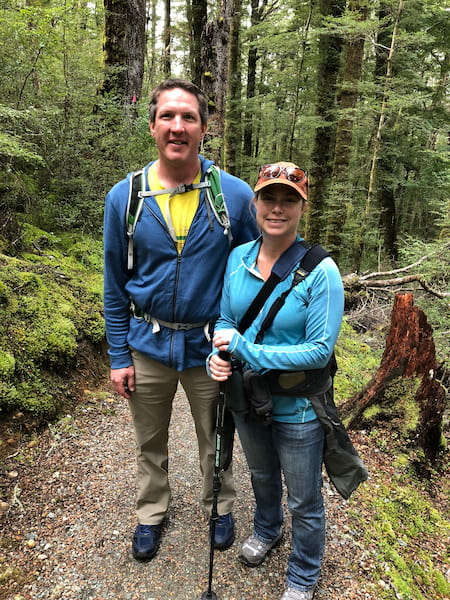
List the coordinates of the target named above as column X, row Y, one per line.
column 405, row 385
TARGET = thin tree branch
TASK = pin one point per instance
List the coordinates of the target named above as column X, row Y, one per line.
column 407, row 268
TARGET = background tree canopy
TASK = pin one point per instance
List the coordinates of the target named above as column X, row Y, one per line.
column 354, row 91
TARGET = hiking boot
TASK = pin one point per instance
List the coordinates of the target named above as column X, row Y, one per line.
column 253, row 551
column 224, row 533
column 146, row 541
column 293, row 594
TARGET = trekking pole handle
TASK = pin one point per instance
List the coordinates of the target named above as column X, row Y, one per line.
column 224, row 355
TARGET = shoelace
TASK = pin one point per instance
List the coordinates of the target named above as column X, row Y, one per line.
column 147, row 530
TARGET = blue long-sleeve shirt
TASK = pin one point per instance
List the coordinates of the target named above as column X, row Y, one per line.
column 303, row 333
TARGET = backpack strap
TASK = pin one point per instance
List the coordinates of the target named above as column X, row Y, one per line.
column 216, row 200
column 280, row 271
column 134, row 209
column 138, row 193
column 312, row 256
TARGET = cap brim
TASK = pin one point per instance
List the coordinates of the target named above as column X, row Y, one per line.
column 300, row 188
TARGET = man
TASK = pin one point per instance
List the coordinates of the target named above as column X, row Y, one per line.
column 159, row 314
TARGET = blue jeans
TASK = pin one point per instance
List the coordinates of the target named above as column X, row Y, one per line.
column 296, row 450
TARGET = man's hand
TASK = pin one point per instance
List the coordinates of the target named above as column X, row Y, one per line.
column 123, row 381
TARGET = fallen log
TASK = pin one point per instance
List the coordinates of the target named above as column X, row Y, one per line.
column 356, row 282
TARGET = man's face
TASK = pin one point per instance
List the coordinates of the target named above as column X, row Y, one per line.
column 177, row 129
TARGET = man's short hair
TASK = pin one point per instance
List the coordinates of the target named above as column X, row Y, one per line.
column 188, row 86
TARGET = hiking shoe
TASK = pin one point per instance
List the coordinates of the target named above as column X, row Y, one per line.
column 224, row 532
column 253, row 551
column 293, row 594
column 146, row 541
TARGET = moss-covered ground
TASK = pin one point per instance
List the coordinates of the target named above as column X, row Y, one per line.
column 51, row 324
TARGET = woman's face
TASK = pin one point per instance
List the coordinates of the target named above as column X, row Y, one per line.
column 278, row 210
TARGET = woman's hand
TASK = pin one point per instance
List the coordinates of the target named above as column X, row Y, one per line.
column 219, row 368
column 222, row 338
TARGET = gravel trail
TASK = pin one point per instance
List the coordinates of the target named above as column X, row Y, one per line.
column 68, row 530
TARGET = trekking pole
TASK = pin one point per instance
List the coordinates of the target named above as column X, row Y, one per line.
column 209, row 594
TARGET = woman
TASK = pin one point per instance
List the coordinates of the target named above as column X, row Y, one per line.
column 301, row 337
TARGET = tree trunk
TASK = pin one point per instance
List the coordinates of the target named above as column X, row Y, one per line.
column 348, row 98
column 252, row 60
column 409, row 355
column 153, row 61
column 233, row 126
column 359, row 241
column 330, row 46
column 197, row 17
column 214, row 51
column 300, row 82
column 167, row 40
column 388, row 211
column 124, row 49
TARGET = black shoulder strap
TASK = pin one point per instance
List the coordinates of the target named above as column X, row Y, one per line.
column 280, row 271
column 314, row 255
column 310, row 260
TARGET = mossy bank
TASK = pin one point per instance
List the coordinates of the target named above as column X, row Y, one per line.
column 51, row 323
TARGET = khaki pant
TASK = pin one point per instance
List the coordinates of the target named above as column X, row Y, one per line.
column 151, row 408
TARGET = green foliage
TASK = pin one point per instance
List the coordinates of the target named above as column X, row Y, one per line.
column 34, row 396
column 398, row 407
column 51, row 304
column 64, row 144
column 357, row 363
column 402, row 517
column 7, row 365
column 16, row 149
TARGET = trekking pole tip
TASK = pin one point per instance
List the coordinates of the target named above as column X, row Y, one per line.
column 209, row 595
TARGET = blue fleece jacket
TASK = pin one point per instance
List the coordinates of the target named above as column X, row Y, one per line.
column 181, row 288
column 303, row 333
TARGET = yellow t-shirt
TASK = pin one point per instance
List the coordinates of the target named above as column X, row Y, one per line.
column 179, row 211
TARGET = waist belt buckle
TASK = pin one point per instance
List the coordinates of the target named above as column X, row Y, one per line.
column 183, row 326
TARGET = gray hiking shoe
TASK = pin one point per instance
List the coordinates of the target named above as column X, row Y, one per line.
column 293, row 594
column 253, row 552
